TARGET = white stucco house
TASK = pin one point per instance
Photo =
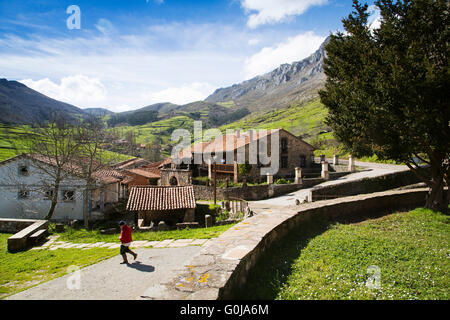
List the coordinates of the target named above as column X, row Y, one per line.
column 26, row 190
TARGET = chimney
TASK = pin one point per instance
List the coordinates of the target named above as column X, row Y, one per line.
column 238, row 133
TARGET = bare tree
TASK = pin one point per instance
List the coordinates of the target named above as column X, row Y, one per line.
column 94, row 160
column 52, row 147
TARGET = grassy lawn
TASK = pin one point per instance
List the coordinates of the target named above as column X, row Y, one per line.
column 92, row 236
column 411, row 250
column 22, row 270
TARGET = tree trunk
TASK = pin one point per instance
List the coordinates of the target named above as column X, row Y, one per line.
column 86, row 207
column 54, row 202
column 437, row 199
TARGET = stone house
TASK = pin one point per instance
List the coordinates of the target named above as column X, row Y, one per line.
column 27, row 187
column 142, row 177
column 293, row 152
column 155, row 203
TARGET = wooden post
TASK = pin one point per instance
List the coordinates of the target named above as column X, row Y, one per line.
column 209, row 169
column 215, row 184
column 102, row 200
column 236, row 172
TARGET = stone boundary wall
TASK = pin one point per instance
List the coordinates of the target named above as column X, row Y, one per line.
column 14, row 225
column 220, row 270
column 366, row 185
column 258, row 192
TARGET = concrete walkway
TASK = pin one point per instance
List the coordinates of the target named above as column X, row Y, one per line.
column 110, row 280
column 369, row 170
column 53, row 244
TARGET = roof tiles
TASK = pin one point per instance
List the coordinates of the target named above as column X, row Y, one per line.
column 161, row 198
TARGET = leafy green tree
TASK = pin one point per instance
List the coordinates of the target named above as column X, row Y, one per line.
column 387, row 88
column 244, row 169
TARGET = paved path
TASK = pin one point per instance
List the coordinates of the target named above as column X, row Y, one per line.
column 369, row 170
column 53, row 244
column 110, row 280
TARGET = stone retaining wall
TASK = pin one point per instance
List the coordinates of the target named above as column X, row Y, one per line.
column 221, row 268
column 366, row 185
column 258, row 192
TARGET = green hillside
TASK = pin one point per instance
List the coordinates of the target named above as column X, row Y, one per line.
column 305, row 119
column 14, row 141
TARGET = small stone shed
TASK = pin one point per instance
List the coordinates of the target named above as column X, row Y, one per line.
column 173, row 204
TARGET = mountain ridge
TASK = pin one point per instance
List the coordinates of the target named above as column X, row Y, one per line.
column 289, row 82
column 20, row 104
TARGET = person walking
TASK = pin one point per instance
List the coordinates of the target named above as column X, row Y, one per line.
column 125, row 239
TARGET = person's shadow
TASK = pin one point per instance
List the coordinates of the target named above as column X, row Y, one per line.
column 141, row 267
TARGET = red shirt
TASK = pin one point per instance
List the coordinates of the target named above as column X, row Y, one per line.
column 125, row 234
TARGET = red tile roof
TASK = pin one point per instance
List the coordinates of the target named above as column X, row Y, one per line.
column 132, row 163
column 161, row 198
column 104, row 175
column 148, row 173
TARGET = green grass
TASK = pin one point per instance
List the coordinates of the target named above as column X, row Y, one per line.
column 319, row 261
column 22, row 270
column 15, row 139
column 92, row 236
column 299, row 119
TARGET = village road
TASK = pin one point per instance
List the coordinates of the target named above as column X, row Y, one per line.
column 110, row 280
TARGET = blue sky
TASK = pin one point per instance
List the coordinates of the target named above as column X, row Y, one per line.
column 132, row 53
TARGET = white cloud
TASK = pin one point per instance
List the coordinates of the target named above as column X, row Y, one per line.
column 270, row 11
column 78, row 90
column 184, row 94
column 293, row 49
column 374, row 20
column 254, row 42
column 134, row 69
column 105, row 26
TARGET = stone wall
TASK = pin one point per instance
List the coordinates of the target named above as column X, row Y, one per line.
column 184, row 177
column 221, row 268
column 14, row 225
column 366, row 185
column 258, row 192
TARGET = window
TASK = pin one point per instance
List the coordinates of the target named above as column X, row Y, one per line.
column 302, row 161
column 23, row 171
column 49, row 194
column 284, row 162
column 284, row 145
column 68, row 195
column 24, row 194
column 173, row 181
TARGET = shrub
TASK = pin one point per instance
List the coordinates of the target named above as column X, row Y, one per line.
column 282, row 181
